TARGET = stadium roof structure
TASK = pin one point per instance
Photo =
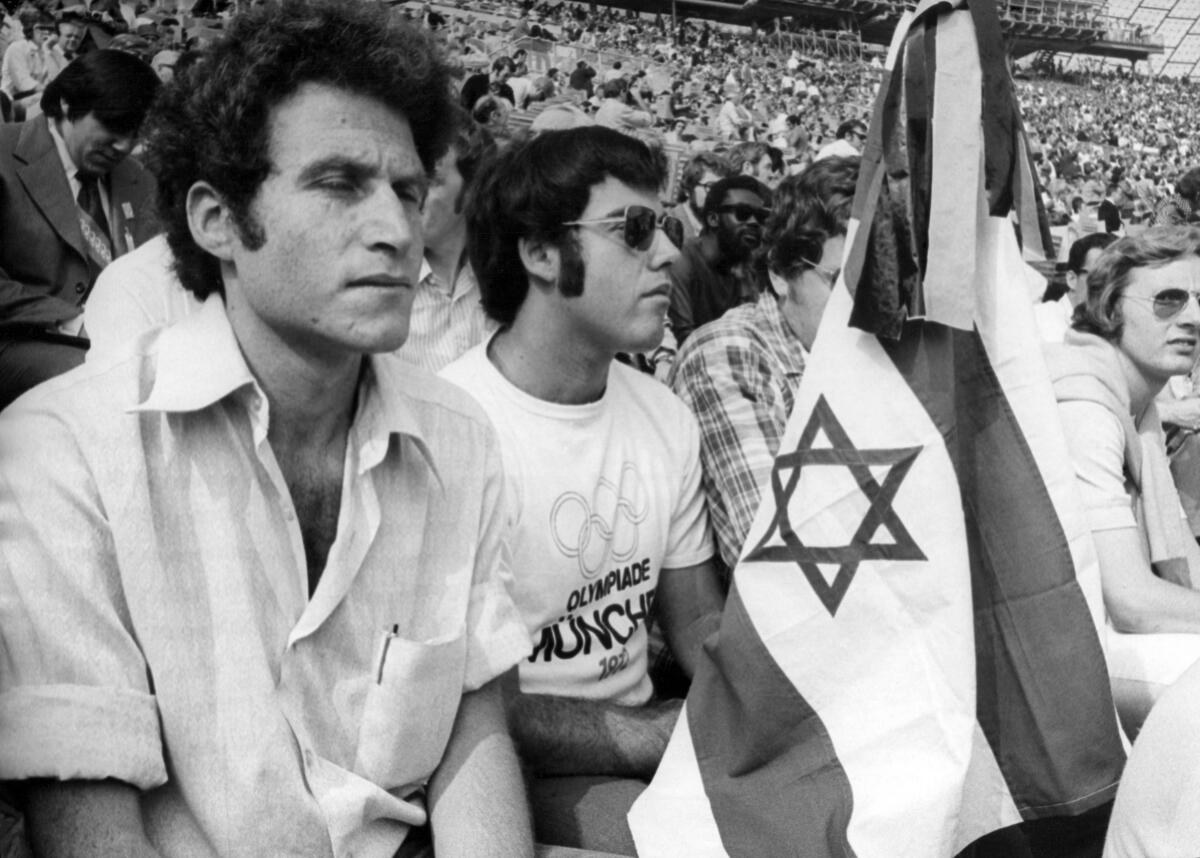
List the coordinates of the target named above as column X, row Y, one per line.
column 1175, row 22
column 1075, row 26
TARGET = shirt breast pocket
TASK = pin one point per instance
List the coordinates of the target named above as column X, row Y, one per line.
column 409, row 708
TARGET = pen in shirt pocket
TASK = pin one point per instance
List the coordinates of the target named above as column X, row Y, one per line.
column 394, row 632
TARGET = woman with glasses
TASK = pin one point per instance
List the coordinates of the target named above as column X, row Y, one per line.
column 1138, row 326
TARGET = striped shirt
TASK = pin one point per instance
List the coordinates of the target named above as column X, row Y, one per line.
column 445, row 322
column 739, row 375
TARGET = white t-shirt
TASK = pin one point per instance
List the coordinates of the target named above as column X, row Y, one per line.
column 604, row 496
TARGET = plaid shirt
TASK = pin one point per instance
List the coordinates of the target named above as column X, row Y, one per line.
column 1173, row 211
column 739, row 375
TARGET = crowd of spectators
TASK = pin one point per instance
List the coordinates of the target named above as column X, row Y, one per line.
column 705, row 87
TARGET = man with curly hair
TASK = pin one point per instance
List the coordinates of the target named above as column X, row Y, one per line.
column 253, row 580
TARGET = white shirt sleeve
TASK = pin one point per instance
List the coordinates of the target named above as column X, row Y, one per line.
column 1097, row 444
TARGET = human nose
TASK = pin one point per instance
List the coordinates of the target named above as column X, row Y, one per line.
column 663, row 251
column 1191, row 310
column 393, row 222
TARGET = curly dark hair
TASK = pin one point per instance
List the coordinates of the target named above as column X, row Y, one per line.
column 531, row 189
column 212, row 122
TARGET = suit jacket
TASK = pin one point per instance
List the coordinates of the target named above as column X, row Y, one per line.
column 1109, row 215
column 44, row 277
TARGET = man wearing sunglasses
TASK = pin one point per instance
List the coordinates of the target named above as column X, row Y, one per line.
column 739, row 374
column 714, row 274
column 850, row 137
column 1138, row 326
column 602, row 464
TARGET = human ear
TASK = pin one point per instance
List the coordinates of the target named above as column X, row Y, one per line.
column 211, row 221
column 542, row 260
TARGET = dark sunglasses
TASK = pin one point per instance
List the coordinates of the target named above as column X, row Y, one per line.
column 744, row 212
column 639, row 225
column 1168, row 303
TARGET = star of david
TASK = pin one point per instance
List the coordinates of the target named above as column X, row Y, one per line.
column 880, row 514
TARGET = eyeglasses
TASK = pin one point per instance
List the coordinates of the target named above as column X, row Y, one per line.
column 1168, row 303
column 831, row 274
column 639, row 223
column 744, row 212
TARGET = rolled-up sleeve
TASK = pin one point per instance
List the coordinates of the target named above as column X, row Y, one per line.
column 75, row 698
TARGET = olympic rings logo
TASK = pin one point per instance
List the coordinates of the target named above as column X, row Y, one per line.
column 606, row 528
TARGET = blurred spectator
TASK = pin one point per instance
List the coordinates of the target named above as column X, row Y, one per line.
column 31, row 62
column 851, row 135
column 164, row 65
column 446, row 317
column 614, row 112
column 701, row 172
column 1184, row 205
column 582, row 77
column 491, row 113
column 760, row 160
column 70, row 200
column 495, row 83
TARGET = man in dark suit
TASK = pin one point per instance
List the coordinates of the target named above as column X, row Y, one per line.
column 1108, row 212
column 70, row 201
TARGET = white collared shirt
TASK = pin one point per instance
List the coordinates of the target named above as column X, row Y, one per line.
column 154, row 599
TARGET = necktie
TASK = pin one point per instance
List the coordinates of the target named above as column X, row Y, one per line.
column 93, row 222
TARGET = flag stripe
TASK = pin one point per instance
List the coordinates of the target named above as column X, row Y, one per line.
column 949, row 284
column 772, row 775
column 1001, row 121
column 1042, row 691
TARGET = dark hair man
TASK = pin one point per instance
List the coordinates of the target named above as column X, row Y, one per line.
column 1054, row 305
column 1081, row 259
column 739, row 374
column 714, row 272
column 582, row 78
column 848, row 141
column 1109, row 212
column 259, row 563
column 72, row 30
column 701, row 172
column 757, row 159
column 70, row 200
column 602, row 463
column 478, row 85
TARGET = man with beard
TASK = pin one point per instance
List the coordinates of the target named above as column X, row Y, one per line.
column 714, row 272
column 700, row 173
